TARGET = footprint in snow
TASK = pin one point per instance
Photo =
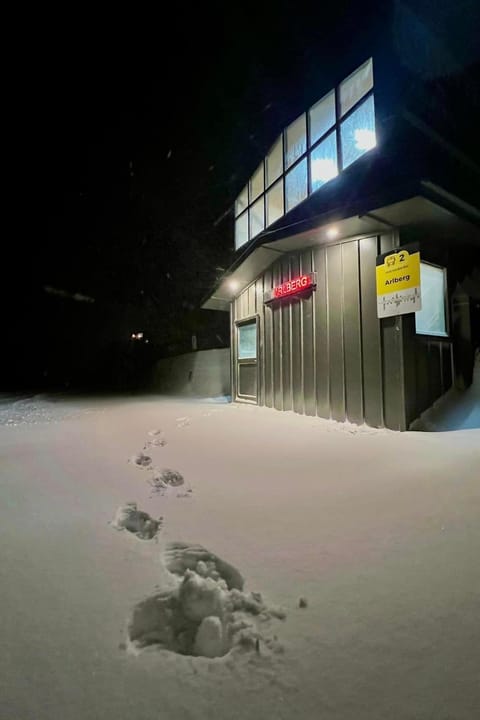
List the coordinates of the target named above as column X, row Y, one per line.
column 137, row 522
column 141, row 460
column 182, row 422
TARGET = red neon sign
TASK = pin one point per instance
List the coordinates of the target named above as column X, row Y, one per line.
column 293, row 286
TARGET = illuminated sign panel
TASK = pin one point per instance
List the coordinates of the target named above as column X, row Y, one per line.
column 291, row 287
column 398, row 282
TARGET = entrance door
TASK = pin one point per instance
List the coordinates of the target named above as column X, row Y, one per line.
column 247, row 360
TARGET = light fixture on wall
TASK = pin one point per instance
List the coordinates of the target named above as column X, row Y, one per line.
column 233, row 284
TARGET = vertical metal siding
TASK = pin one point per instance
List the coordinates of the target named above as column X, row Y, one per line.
column 308, row 341
column 296, row 345
column 322, row 367
column 268, row 342
column 371, row 343
column 286, row 311
column 352, row 333
column 335, row 332
column 277, row 345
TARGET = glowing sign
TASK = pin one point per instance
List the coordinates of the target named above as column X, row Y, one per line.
column 398, row 282
column 291, row 287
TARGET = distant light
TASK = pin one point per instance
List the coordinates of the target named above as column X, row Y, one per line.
column 324, row 169
column 139, row 336
column 332, row 232
column 134, row 337
column 365, row 139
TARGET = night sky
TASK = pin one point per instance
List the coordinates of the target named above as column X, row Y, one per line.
column 131, row 136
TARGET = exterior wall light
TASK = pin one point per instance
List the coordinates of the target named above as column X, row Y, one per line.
column 332, row 233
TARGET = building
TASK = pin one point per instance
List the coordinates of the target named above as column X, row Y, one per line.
column 349, row 188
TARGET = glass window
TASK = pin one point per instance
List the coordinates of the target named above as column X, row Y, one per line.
column 295, row 140
column 257, row 183
column 358, row 132
column 322, row 117
column 241, row 230
column 247, row 340
column 296, row 185
column 275, row 207
column 430, row 320
column 257, row 217
column 358, row 84
column 323, row 162
column 241, row 203
column 274, row 163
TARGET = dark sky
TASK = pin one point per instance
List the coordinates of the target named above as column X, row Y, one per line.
column 132, row 133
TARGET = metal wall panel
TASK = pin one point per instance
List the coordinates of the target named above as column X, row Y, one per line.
column 268, row 342
column 327, row 353
column 371, row 346
column 322, row 367
column 277, row 345
column 352, row 333
column 308, row 341
column 296, row 346
column 286, row 310
column 335, row 332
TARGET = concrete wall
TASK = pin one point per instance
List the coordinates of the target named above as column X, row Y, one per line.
column 205, row 373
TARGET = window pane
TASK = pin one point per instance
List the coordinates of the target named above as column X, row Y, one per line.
column 257, row 183
column 241, row 203
column 295, row 140
column 275, row 208
column 356, row 86
column 430, row 320
column 247, row 341
column 323, row 162
column 296, row 185
column 322, row 117
column 358, row 132
column 257, row 217
column 241, row 230
column 275, row 162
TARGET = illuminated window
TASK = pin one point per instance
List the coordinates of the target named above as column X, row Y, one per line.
column 355, row 87
column 257, row 183
column 241, row 230
column 257, row 217
column 247, row 340
column 358, row 132
column 323, row 162
column 296, row 187
column 274, row 162
column 322, row 117
column 295, row 140
column 431, row 319
column 275, row 208
column 241, row 203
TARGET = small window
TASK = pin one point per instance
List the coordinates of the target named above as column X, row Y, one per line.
column 257, row 183
column 274, row 164
column 323, row 162
column 358, row 132
column 257, row 217
column 431, row 319
column 358, row 84
column 322, row 117
column 247, row 341
column 241, row 230
column 241, row 203
column 275, row 208
column 295, row 140
column 296, row 185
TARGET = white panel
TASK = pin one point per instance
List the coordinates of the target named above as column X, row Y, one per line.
column 430, row 320
column 257, row 183
column 358, row 84
column 322, row 117
column 295, row 140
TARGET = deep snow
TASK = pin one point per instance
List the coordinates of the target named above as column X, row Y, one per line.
column 361, row 547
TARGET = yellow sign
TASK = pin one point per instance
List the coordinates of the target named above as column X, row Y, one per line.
column 398, row 282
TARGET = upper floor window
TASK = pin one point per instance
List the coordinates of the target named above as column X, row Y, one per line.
column 334, row 133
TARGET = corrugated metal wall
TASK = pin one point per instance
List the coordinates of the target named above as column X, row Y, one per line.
column 327, row 354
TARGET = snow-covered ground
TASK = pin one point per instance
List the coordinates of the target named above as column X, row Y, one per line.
column 361, row 548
